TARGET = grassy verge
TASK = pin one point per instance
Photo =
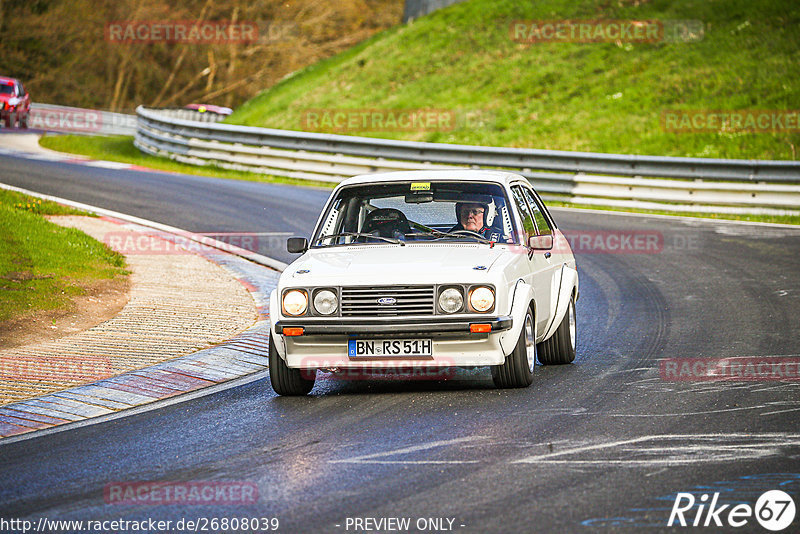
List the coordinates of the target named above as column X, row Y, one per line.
column 42, row 265
column 121, row 149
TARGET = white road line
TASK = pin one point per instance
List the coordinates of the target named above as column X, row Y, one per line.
column 711, row 448
column 410, row 462
column 779, row 411
column 658, row 450
column 108, row 164
column 672, row 414
column 369, row 458
column 577, row 450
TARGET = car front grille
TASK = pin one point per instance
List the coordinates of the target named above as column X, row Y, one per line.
column 409, row 300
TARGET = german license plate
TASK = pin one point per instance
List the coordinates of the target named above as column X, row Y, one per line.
column 365, row 348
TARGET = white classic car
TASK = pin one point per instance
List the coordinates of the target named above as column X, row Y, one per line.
column 428, row 269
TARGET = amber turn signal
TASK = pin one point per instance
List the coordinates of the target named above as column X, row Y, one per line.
column 293, row 331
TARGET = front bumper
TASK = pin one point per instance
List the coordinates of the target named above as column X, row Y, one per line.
column 388, row 327
column 324, row 344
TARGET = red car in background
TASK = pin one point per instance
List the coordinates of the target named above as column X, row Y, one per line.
column 15, row 103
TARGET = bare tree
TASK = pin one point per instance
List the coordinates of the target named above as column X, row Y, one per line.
column 62, row 50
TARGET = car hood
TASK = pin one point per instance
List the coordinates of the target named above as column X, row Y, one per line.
column 393, row 264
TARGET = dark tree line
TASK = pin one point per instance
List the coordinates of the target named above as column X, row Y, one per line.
column 62, row 51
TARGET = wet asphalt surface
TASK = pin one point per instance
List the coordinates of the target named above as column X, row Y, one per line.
column 604, row 444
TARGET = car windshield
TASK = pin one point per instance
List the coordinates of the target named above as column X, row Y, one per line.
column 6, row 89
column 404, row 212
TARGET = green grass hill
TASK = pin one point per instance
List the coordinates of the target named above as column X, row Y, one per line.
column 599, row 97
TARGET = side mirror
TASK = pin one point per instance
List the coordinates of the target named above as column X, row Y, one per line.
column 540, row 242
column 297, row 245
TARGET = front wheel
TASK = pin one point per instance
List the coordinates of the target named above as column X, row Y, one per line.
column 560, row 348
column 25, row 120
column 285, row 380
column 517, row 371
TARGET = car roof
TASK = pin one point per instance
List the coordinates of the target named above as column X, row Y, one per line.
column 5, row 80
column 463, row 175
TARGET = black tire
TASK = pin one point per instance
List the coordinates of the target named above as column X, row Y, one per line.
column 560, row 348
column 517, row 371
column 287, row 381
column 25, row 121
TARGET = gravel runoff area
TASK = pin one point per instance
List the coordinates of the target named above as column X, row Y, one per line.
column 180, row 303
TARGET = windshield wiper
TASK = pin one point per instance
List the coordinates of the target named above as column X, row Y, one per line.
column 473, row 236
column 444, row 235
column 359, row 234
column 431, row 232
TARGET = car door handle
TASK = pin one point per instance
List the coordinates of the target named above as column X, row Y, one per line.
column 547, row 255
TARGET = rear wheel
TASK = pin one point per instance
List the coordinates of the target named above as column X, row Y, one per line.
column 285, row 380
column 517, row 371
column 560, row 348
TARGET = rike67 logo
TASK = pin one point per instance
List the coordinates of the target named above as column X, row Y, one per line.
column 774, row 510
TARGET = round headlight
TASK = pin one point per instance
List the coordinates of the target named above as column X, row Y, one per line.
column 295, row 302
column 325, row 302
column 481, row 299
column 450, row 300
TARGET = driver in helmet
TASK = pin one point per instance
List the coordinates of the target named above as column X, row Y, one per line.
column 476, row 217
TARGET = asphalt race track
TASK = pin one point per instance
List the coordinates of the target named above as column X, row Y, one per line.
column 604, row 444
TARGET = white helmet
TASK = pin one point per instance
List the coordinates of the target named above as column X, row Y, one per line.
column 491, row 213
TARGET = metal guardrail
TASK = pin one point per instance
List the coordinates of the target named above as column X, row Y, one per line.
column 649, row 182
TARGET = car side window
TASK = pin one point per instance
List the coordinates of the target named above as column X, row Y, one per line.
column 21, row 89
column 528, row 225
column 541, row 221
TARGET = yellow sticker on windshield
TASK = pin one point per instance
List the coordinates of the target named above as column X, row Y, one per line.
column 420, row 186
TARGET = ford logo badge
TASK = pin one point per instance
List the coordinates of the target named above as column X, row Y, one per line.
column 387, row 301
